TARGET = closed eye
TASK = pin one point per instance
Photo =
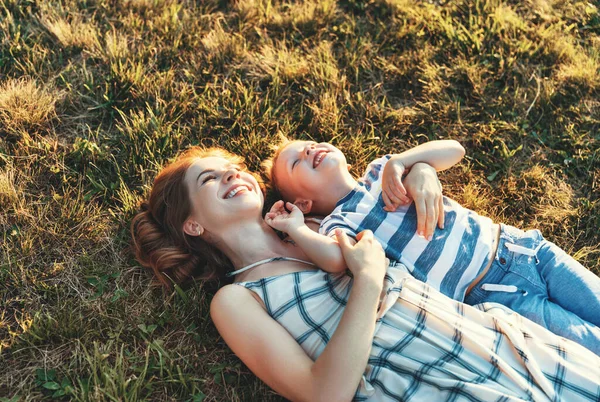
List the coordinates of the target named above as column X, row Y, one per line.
column 207, row 178
column 295, row 163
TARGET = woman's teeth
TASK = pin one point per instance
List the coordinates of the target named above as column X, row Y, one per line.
column 234, row 192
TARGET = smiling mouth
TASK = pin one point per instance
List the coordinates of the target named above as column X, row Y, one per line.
column 318, row 159
column 233, row 192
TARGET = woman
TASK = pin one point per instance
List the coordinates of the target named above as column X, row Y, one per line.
column 317, row 336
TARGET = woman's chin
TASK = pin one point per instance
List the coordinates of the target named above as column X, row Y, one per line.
column 249, row 209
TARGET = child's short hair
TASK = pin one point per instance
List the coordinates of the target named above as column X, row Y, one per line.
column 268, row 165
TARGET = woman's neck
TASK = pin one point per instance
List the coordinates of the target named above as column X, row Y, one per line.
column 253, row 242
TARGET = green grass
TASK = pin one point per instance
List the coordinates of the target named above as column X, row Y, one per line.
column 96, row 95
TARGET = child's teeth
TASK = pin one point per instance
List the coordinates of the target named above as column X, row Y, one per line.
column 319, row 157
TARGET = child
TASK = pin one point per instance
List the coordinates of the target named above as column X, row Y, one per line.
column 468, row 257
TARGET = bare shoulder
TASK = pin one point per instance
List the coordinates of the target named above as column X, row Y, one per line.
column 265, row 346
column 231, row 290
column 231, row 298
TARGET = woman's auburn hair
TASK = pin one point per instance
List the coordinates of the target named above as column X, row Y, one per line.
column 159, row 241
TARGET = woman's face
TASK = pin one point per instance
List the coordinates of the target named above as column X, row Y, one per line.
column 221, row 194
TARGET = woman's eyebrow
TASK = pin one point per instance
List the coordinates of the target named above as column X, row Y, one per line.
column 231, row 165
column 203, row 172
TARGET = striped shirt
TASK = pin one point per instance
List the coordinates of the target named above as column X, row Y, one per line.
column 449, row 262
column 427, row 347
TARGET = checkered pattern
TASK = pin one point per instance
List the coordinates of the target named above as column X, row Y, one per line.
column 428, row 347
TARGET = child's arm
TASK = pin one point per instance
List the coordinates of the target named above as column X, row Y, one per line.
column 423, row 185
column 440, row 155
column 322, row 250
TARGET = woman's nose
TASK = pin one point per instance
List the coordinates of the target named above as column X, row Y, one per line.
column 231, row 174
column 309, row 149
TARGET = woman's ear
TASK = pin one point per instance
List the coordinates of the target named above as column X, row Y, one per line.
column 192, row 228
column 304, row 205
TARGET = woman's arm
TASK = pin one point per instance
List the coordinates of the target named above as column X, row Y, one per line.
column 277, row 359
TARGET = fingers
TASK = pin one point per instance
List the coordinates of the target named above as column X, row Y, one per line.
column 394, row 198
column 389, row 204
column 270, row 219
column 441, row 216
column 342, row 239
column 399, row 189
column 396, row 191
column 295, row 211
column 277, row 206
column 431, row 218
column 271, row 215
column 421, row 216
column 277, row 210
column 365, row 234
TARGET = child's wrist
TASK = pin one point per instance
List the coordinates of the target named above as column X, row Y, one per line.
column 422, row 165
column 399, row 162
column 297, row 230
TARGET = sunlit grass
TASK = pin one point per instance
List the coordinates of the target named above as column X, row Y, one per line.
column 96, row 96
column 26, row 106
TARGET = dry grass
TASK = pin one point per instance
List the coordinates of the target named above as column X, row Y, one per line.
column 96, row 96
column 25, row 106
column 68, row 28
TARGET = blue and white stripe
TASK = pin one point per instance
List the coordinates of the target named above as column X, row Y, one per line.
column 449, row 262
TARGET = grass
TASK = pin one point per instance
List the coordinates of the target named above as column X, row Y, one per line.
column 96, row 95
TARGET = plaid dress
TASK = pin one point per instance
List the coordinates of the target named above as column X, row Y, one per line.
column 428, row 347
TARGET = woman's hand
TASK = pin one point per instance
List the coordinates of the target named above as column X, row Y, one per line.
column 365, row 258
column 392, row 189
column 423, row 186
column 279, row 218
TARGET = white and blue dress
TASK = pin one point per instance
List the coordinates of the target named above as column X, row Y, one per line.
column 428, row 347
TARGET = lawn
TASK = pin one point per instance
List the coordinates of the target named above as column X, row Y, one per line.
column 97, row 95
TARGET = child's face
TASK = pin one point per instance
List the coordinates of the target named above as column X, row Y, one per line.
column 305, row 168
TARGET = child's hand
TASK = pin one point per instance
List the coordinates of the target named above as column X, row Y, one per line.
column 424, row 187
column 280, row 219
column 392, row 190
